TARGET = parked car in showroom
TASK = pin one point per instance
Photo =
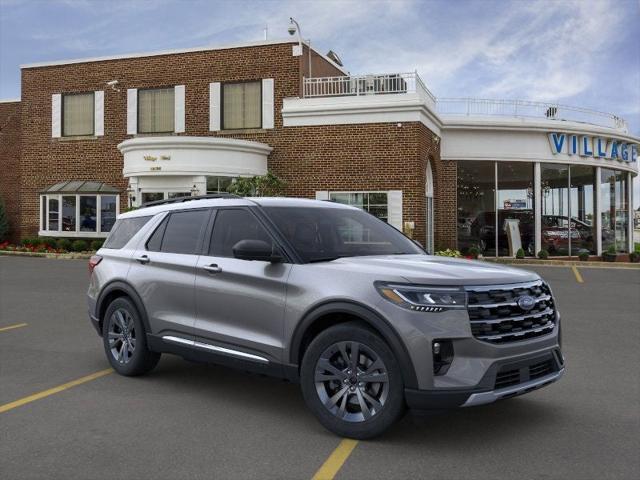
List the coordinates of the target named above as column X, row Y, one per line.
column 322, row 294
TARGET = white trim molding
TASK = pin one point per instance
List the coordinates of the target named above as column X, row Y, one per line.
column 179, row 101
column 214, row 107
column 98, row 112
column 132, row 111
column 56, row 115
column 184, row 156
column 268, row 115
column 391, row 108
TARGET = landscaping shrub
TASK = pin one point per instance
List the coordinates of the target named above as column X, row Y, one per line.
column 64, row 244
column 634, row 257
column 543, row 254
column 79, row 246
column 96, row 244
column 4, row 222
column 474, row 252
column 47, row 242
column 28, row 241
column 583, row 256
column 449, row 253
column 520, row 253
column 610, row 255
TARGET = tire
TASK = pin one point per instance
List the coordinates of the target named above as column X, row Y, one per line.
column 342, row 398
column 127, row 352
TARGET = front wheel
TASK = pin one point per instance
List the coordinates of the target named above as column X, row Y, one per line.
column 124, row 339
column 352, row 382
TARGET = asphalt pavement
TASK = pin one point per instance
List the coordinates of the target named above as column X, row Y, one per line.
column 186, row 420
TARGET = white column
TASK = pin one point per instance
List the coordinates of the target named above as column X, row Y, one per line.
column 598, row 213
column 268, row 114
column 537, row 207
column 98, row 111
column 214, row 106
column 630, row 211
column 179, row 100
column 56, row 116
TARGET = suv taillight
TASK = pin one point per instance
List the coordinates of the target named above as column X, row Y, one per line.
column 93, row 262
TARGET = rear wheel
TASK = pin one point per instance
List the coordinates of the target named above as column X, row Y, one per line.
column 352, row 382
column 124, row 339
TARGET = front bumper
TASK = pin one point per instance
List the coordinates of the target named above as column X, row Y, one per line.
column 439, row 399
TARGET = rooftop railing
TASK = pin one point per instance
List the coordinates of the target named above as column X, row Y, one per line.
column 357, row 85
column 402, row 83
column 528, row 109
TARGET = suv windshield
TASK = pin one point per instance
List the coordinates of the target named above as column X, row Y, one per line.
column 324, row 234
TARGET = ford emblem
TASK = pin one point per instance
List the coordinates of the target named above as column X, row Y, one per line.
column 526, row 302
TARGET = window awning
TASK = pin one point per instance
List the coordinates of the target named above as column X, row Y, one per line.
column 81, row 186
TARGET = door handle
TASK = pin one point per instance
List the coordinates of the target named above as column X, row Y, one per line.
column 143, row 259
column 213, row 268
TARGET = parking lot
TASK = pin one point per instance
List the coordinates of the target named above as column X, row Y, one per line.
column 187, row 420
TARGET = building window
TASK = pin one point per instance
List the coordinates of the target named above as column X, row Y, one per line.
column 78, row 114
column 152, row 196
column 156, row 110
column 69, row 215
column 614, row 209
column 516, row 225
column 241, row 105
column 375, row 203
column 219, row 184
column 477, row 206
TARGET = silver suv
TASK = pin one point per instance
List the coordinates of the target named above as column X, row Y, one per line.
column 326, row 295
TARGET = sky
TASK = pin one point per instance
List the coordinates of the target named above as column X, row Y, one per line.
column 584, row 53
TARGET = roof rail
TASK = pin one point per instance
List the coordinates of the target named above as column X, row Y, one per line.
column 188, row 199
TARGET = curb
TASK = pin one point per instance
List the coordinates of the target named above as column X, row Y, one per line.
column 564, row 263
column 57, row 256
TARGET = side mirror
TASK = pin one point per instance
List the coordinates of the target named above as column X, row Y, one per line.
column 256, row 250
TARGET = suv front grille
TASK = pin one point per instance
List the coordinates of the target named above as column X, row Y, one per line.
column 508, row 375
column 496, row 316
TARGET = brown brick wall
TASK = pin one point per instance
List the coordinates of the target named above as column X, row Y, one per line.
column 10, row 163
column 341, row 157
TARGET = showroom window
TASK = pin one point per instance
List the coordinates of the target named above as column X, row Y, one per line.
column 219, row 184
column 477, row 206
column 241, row 105
column 375, row 203
column 156, row 110
column 516, row 223
column 78, row 114
column 614, row 209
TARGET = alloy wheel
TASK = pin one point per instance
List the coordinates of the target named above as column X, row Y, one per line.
column 352, row 381
column 122, row 336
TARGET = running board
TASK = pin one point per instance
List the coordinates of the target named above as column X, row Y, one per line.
column 214, row 348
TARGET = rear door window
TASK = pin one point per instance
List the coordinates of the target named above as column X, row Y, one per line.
column 124, row 230
column 183, row 231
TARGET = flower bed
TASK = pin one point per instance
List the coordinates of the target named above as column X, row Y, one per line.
column 46, row 245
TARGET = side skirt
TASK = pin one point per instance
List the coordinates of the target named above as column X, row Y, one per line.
column 215, row 355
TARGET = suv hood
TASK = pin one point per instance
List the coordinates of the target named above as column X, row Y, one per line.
column 432, row 270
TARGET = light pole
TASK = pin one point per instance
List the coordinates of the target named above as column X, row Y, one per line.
column 294, row 27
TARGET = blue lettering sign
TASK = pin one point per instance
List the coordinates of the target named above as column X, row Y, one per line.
column 634, row 153
column 624, row 153
column 573, row 149
column 614, row 150
column 586, row 147
column 557, row 142
column 601, row 150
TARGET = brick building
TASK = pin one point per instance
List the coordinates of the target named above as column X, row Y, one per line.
column 91, row 137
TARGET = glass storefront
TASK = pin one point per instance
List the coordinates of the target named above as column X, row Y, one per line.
column 477, row 207
column 497, row 201
column 614, row 209
column 516, row 220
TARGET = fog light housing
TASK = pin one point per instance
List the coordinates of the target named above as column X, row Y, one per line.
column 442, row 351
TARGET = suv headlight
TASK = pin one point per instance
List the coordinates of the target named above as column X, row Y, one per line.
column 423, row 299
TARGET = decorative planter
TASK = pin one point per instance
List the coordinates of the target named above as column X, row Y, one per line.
column 634, row 257
column 609, row 257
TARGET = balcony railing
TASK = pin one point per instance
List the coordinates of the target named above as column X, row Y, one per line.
column 402, row 83
column 357, row 85
column 528, row 109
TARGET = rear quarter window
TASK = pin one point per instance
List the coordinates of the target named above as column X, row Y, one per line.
column 124, row 230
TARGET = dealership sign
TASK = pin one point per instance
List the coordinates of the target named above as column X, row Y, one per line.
column 597, row 147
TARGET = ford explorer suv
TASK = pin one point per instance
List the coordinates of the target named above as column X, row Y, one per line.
column 322, row 294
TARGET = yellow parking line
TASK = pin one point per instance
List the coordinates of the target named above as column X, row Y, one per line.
column 335, row 461
column 37, row 396
column 577, row 274
column 11, row 327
